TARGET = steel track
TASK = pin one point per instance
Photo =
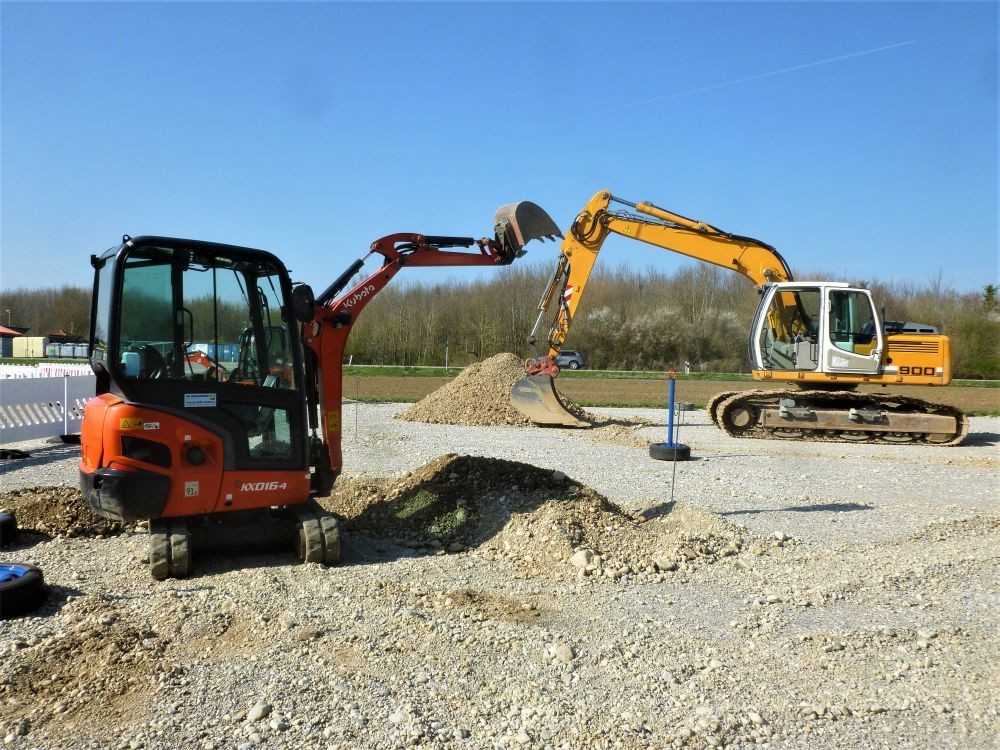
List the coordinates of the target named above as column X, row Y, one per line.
column 721, row 409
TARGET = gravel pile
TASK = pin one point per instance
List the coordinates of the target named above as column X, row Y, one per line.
column 56, row 511
column 480, row 396
column 540, row 521
column 88, row 671
column 876, row 626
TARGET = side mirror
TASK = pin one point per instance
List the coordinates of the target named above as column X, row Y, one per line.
column 303, row 303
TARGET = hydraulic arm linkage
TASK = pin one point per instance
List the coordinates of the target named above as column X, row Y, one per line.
column 535, row 394
column 655, row 226
column 325, row 336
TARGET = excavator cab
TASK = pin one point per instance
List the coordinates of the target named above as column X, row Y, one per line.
column 818, row 327
column 190, row 410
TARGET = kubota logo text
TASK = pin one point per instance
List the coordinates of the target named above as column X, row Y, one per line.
column 359, row 295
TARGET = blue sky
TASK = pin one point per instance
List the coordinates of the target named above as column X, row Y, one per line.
column 860, row 139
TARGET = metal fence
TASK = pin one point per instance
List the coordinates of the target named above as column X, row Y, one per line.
column 43, row 370
column 39, row 407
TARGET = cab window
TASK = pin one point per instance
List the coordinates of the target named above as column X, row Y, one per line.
column 852, row 322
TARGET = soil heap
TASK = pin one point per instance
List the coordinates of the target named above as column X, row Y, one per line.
column 479, row 396
column 541, row 521
column 56, row 511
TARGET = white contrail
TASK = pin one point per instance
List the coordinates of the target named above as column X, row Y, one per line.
column 779, row 71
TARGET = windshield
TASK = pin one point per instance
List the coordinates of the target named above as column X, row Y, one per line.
column 204, row 318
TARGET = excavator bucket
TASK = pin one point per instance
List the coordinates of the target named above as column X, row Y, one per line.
column 516, row 224
column 536, row 398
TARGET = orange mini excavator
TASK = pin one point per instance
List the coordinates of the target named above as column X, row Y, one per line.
column 219, row 384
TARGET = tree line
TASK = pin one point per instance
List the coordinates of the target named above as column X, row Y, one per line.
column 630, row 319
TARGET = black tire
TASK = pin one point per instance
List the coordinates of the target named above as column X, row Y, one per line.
column 159, row 550
column 574, row 365
column 180, row 551
column 664, row 452
column 331, row 539
column 22, row 589
column 8, row 528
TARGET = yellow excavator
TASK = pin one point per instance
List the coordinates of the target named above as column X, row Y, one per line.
column 824, row 337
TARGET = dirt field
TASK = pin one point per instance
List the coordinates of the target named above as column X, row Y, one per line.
column 647, row 393
column 520, row 588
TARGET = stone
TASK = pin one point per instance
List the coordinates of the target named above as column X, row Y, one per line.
column 582, row 559
column 563, row 652
column 558, row 476
column 664, row 563
column 259, row 711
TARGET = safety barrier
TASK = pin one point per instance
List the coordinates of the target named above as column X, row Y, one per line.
column 39, row 407
column 43, row 370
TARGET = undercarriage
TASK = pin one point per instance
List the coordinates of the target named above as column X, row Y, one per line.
column 837, row 416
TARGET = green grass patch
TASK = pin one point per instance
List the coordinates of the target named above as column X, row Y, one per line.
column 414, row 504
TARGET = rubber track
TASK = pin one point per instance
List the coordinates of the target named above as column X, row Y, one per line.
column 713, row 404
column 846, row 399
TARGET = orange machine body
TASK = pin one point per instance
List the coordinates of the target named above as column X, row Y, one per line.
column 923, row 359
column 139, row 441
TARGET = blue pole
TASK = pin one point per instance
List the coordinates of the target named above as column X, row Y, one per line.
column 670, row 412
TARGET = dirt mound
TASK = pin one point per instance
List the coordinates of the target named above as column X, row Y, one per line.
column 480, row 396
column 540, row 520
column 97, row 668
column 56, row 511
column 625, row 432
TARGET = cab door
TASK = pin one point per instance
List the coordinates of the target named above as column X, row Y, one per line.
column 854, row 340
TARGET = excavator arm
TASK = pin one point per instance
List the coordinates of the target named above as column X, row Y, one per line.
column 535, row 395
column 336, row 311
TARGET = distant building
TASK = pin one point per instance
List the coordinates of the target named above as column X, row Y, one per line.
column 7, row 336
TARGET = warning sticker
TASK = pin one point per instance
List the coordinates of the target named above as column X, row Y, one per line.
column 150, row 425
column 130, row 423
column 199, row 400
column 191, row 489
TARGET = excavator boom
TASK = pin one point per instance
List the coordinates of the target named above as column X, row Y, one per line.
column 535, row 395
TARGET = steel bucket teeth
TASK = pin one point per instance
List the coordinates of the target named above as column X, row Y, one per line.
column 517, row 224
column 536, row 398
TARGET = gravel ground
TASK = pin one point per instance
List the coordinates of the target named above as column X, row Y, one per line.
column 861, row 612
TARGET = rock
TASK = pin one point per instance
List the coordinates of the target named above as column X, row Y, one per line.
column 781, row 536
column 259, row 711
column 664, row 563
column 755, row 717
column 558, row 476
column 278, row 724
column 582, row 559
column 773, row 599
column 522, row 738
column 23, row 727
column 563, row 652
